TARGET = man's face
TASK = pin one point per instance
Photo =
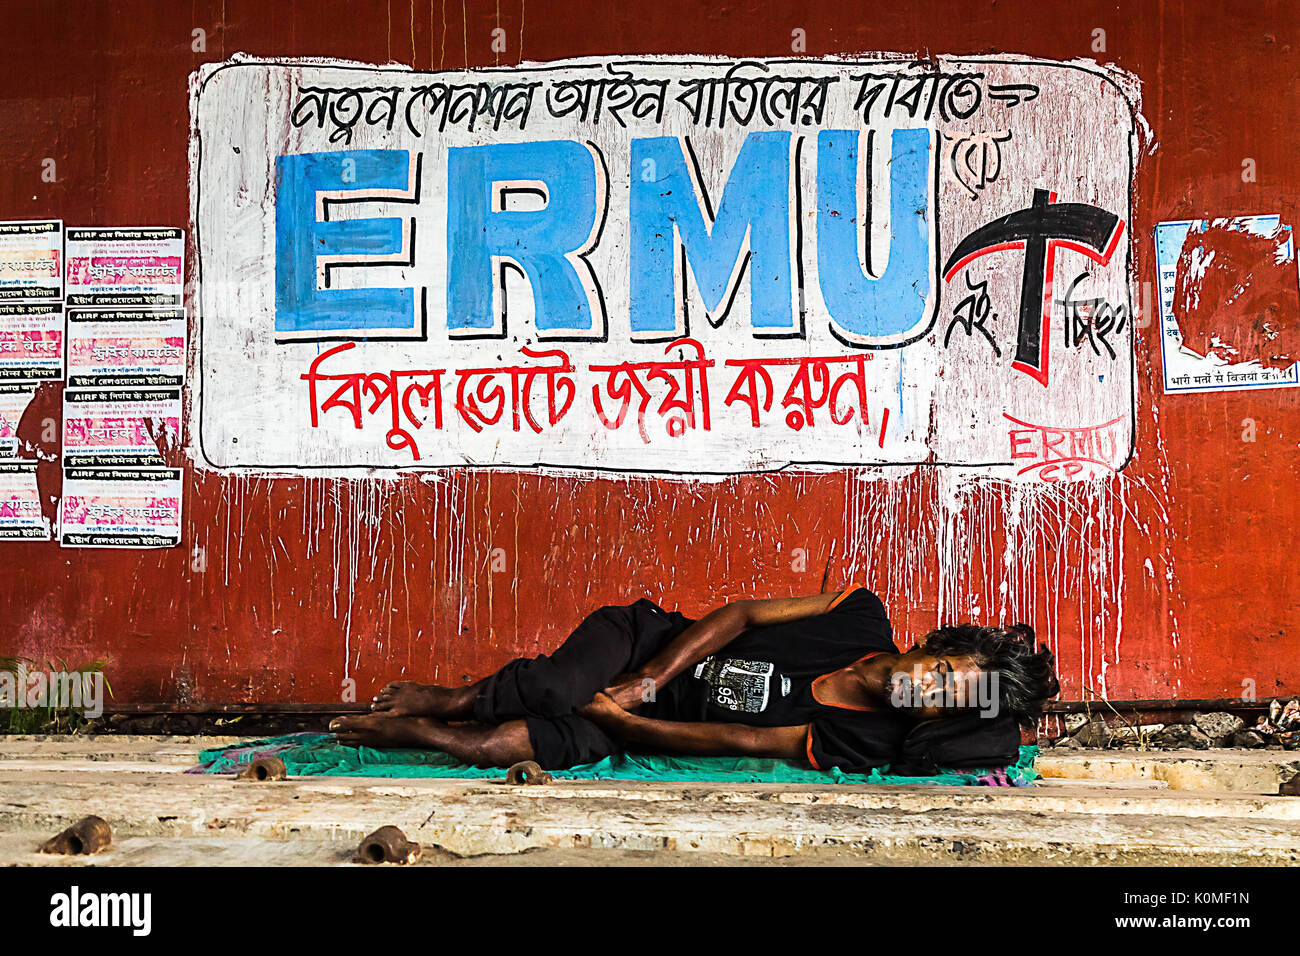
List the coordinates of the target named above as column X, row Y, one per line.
column 929, row 686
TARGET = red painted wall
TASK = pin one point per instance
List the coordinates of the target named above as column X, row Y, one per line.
column 298, row 583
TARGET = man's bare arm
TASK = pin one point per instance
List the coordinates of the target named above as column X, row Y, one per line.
column 760, row 613
column 699, row 739
column 713, row 632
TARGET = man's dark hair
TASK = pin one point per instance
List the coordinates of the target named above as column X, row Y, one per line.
column 1026, row 677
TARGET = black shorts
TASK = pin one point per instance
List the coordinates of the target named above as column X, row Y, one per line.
column 545, row 691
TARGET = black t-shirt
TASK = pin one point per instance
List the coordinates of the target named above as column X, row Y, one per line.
column 768, row 675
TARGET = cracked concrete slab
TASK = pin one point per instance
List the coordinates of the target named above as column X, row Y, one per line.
column 161, row 815
column 1247, row 771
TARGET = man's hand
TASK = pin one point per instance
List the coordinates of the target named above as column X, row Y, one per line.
column 630, row 691
column 604, row 712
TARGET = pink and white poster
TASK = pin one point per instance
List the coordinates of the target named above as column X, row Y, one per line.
column 20, row 503
column 126, row 348
column 126, row 266
column 115, row 508
column 131, row 428
column 14, row 399
column 31, row 341
column 31, row 261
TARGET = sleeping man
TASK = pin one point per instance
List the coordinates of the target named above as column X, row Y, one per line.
column 814, row 680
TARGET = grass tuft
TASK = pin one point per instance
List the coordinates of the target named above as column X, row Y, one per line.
column 47, row 719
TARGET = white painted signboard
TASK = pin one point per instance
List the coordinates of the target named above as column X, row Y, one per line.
column 672, row 265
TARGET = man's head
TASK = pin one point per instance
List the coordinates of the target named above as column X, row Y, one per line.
column 965, row 667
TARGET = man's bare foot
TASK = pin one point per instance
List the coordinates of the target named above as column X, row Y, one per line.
column 408, row 699
column 383, row 731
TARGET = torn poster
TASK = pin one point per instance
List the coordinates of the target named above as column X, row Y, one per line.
column 126, row 348
column 20, row 503
column 31, row 341
column 114, row 508
column 126, row 266
column 1229, row 304
column 31, row 261
column 14, row 399
column 120, row 428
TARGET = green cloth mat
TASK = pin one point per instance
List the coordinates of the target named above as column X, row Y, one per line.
column 320, row 755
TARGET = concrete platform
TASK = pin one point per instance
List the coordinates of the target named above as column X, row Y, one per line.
column 1246, row 771
column 1107, row 807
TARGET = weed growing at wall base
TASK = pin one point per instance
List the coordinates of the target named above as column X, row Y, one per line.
column 51, row 700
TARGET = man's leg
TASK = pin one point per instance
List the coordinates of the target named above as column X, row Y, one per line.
column 555, row 744
column 469, row 743
column 609, row 642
